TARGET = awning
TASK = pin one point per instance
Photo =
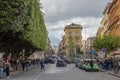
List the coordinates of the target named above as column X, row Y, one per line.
column 36, row 55
column 1, row 54
column 115, row 53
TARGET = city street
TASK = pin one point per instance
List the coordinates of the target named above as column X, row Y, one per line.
column 81, row 36
column 60, row 73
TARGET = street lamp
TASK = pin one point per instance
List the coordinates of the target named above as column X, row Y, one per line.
column 85, row 39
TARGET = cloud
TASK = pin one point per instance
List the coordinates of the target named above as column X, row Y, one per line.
column 89, row 24
column 59, row 13
column 66, row 9
column 54, row 40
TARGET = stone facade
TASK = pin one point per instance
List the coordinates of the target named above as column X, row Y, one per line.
column 110, row 24
column 61, row 47
column 104, row 23
column 89, row 44
column 49, row 50
column 114, row 18
column 73, row 39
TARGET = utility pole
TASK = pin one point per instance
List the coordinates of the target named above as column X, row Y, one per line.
column 85, row 39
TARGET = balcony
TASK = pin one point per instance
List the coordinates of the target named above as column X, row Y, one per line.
column 115, row 20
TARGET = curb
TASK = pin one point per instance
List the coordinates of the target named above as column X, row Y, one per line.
column 102, row 70
column 110, row 73
column 114, row 74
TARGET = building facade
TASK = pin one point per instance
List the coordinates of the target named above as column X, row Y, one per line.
column 61, row 47
column 104, row 21
column 99, row 32
column 89, row 44
column 114, row 21
column 72, row 40
column 49, row 50
column 55, row 49
column 103, row 30
column 114, row 18
column 110, row 24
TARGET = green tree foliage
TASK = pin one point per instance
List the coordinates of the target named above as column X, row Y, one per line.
column 12, row 18
column 109, row 42
column 36, row 32
column 21, row 26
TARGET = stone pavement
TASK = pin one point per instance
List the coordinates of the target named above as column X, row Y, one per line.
column 110, row 73
column 12, row 73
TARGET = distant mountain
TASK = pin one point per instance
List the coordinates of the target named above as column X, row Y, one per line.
column 54, row 41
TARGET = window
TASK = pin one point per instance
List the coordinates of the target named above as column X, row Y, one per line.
column 77, row 33
column 70, row 33
column 77, row 43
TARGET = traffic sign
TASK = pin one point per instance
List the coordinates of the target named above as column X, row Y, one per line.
column 103, row 50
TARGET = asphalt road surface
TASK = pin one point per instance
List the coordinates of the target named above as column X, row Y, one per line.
column 60, row 73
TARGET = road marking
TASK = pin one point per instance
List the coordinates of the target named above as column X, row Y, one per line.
column 36, row 77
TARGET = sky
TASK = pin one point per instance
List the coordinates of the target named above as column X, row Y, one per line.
column 58, row 13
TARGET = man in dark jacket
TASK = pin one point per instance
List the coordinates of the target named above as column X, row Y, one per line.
column 115, row 65
column 42, row 64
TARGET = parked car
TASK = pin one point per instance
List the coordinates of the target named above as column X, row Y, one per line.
column 67, row 61
column 81, row 64
column 77, row 62
column 61, row 63
column 51, row 60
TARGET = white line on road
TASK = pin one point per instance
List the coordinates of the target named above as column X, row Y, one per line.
column 36, row 77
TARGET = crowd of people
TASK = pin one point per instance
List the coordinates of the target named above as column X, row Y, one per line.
column 13, row 65
column 112, row 63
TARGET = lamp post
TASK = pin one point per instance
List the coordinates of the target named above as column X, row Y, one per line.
column 85, row 43
column 85, row 38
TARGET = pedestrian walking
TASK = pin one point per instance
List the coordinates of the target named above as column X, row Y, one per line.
column 115, row 65
column 118, row 67
column 23, row 65
column 7, row 69
column 27, row 64
column 110, row 64
column 42, row 64
column 1, row 67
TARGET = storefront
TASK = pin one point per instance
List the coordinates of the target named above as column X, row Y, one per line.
column 115, row 53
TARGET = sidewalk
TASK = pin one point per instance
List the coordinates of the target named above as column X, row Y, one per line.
column 12, row 73
column 110, row 73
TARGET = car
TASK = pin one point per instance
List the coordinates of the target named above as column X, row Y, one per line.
column 51, row 60
column 77, row 62
column 61, row 63
column 81, row 64
column 67, row 61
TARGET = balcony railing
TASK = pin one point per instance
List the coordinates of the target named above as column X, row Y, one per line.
column 115, row 20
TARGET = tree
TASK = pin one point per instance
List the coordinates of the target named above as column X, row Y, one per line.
column 21, row 26
column 109, row 42
column 12, row 19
